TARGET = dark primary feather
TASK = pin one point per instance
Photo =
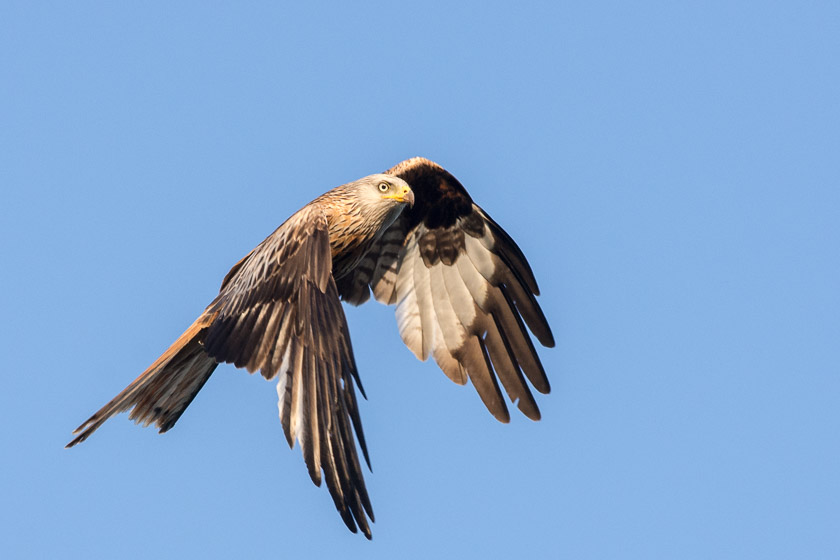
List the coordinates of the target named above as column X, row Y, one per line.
column 463, row 289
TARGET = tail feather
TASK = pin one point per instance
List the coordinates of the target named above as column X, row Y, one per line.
column 162, row 392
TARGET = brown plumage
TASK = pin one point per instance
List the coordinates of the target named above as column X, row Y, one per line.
column 462, row 289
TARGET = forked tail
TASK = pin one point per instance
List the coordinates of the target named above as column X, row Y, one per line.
column 162, row 392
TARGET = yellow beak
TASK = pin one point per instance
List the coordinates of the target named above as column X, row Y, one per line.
column 405, row 195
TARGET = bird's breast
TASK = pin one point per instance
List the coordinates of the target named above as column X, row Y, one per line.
column 353, row 234
column 349, row 243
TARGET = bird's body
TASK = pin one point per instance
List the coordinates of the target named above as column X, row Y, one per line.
column 461, row 286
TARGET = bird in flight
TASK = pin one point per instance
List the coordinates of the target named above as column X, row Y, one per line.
column 463, row 291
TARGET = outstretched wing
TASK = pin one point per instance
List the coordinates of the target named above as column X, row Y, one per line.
column 463, row 290
column 279, row 312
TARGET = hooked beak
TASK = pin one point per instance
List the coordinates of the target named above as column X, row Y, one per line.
column 406, row 195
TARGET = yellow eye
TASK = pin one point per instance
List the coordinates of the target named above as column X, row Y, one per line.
column 383, row 187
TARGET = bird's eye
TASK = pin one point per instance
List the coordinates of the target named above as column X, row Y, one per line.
column 383, row 187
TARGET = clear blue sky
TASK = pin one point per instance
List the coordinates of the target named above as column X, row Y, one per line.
column 670, row 170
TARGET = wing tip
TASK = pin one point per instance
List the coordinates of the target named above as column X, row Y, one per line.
column 530, row 410
column 544, row 335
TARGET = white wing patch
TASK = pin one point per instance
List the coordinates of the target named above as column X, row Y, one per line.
column 465, row 314
column 417, row 318
column 408, row 310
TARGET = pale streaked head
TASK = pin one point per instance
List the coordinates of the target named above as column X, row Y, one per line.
column 386, row 187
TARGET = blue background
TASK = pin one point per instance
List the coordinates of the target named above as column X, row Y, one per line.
column 670, row 170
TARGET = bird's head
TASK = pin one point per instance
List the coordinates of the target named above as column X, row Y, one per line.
column 364, row 208
column 379, row 199
column 385, row 189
